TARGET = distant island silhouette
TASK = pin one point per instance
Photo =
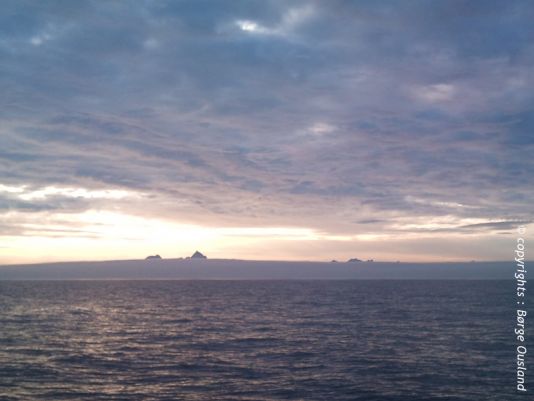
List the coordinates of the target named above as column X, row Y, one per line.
column 198, row 255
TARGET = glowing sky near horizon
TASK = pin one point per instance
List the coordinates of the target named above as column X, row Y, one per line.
column 265, row 129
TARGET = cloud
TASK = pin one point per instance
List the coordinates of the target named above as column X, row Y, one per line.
column 501, row 225
column 287, row 25
column 435, row 93
column 310, row 115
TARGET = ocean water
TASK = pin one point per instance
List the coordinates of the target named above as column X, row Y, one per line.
column 257, row 340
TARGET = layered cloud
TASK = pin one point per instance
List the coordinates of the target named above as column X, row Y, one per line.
column 350, row 122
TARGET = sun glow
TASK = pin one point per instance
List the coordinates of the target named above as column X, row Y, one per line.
column 115, row 235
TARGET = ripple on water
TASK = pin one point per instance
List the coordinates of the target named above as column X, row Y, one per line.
column 221, row 340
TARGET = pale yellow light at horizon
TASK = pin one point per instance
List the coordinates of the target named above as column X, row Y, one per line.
column 106, row 235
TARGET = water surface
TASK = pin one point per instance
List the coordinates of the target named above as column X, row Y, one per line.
column 257, row 340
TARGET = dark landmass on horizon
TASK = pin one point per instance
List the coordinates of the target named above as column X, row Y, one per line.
column 235, row 269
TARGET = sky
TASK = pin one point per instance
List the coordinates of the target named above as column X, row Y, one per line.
column 281, row 130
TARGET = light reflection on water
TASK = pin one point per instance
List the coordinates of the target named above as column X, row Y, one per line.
column 243, row 340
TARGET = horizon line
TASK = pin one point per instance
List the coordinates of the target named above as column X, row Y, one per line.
column 188, row 258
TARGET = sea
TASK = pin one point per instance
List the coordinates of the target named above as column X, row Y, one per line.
column 398, row 340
